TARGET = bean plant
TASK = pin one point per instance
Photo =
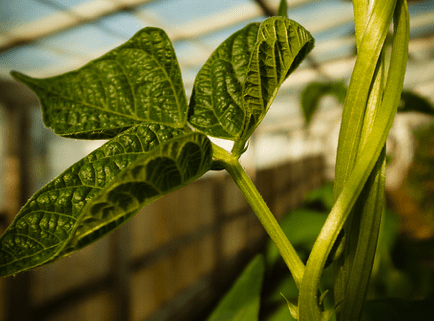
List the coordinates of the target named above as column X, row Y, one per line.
column 159, row 142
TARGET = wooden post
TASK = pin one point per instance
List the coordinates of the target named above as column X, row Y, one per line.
column 121, row 270
column 16, row 100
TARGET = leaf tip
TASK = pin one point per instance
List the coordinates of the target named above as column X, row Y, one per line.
column 15, row 74
column 293, row 308
column 20, row 77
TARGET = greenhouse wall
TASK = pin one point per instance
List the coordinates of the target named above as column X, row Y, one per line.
column 180, row 251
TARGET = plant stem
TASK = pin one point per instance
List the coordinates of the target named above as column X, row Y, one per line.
column 360, row 266
column 353, row 113
column 351, row 188
column 353, row 268
column 268, row 221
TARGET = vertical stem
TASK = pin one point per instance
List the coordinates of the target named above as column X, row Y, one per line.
column 360, row 8
column 350, row 188
column 268, row 221
column 359, row 275
column 359, row 88
column 356, row 233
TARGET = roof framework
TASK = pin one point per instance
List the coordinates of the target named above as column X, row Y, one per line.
column 47, row 37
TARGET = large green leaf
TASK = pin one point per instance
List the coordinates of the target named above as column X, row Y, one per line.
column 100, row 192
column 238, row 83
column 281, row 46
column 242, row 301
column 216, row 103
column 175, row 164
column 139, row 81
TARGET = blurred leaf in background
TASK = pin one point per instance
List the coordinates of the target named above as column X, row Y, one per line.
column 242, row 301
column 411, row 101
column 315, row 91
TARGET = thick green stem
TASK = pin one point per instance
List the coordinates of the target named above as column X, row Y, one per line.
column 350, row 188
column 353, row 114
column 361, row 265
column 362, row 226
column 268, row 221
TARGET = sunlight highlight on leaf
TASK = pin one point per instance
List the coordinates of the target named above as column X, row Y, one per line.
column 216, row 103
column 281, row 46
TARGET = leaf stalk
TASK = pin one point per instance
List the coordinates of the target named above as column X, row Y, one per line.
column 268, row 221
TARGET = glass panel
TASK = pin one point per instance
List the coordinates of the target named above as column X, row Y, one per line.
column 16, row 12
column 52, row 154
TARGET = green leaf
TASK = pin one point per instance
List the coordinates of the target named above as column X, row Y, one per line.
column 242, row 301
column 100, row 192
column 281, row 46
column 292, row 307
column 321, row 197
column 281, row 314
column 139, row 81
column 216, row 103
column 285, row 287
column 414, row 102
column 315, row 91
column 175, row 164
column 238, row 83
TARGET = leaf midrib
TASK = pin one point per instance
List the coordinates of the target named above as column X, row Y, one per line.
column 32, row 255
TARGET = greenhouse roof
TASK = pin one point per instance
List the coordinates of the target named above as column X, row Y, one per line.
column 46, row 37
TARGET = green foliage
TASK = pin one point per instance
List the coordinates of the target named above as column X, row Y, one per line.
column 139, row 81
column 388, row 280
column 134, row 95
column 315, row 91
column 282, row 314
column 100, row 192
column 235, row 88
column 321, row 197
column 216, row 106
column 242, row 301
column 411, row 101
column 369, row 109
column 281, row 46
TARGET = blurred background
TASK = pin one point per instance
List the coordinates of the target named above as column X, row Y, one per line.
column 174, row 259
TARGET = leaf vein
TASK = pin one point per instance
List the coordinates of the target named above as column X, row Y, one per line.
column 31, row 238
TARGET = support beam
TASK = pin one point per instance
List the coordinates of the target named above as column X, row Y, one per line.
column 17, row 178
